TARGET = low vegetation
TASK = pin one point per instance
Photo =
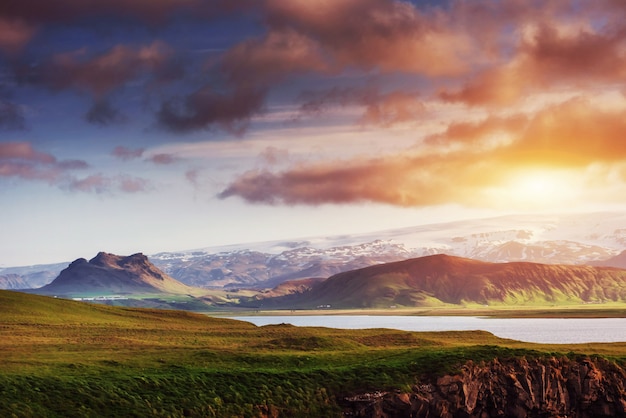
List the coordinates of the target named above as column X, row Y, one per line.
column 64, row 358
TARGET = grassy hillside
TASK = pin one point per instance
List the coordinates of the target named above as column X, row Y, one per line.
column 65, row 358
column 443, row 280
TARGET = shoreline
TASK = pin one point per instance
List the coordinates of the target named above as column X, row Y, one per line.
column 574, row 311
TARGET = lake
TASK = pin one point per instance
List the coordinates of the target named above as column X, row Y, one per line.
column 535, row 330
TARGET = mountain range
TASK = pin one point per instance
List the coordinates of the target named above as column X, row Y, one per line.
column 576, row 239
column 435, row 280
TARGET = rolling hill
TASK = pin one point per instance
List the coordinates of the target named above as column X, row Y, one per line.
column 441, row 279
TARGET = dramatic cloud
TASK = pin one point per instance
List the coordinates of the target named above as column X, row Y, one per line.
column 466, row 161
column 550, row 55
column 124, row 153
column 373, row 34
column 399, row 180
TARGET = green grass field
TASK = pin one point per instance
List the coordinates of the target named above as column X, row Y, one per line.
column 62, row 358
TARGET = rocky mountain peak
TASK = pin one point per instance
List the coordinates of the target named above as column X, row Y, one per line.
column 110, row 273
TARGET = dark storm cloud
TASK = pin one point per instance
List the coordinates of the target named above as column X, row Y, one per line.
column 103, row 113
column 207, row 108
column 149, row 11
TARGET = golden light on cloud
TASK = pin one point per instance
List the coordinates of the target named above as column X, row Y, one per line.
column 537, row 188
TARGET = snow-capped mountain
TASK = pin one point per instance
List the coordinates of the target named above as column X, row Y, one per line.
column 247, row 268
column 550, row 239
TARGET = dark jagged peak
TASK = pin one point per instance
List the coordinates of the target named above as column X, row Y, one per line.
column 109, row 273
column 106, row 260
column 78, row 262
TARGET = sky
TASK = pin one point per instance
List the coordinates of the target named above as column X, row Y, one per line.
column 162, row 125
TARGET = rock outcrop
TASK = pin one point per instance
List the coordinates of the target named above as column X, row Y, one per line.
column 516, row 388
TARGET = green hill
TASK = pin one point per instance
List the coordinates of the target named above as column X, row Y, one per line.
column 441, row 280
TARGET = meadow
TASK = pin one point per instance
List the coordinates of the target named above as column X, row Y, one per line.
column 63, row 358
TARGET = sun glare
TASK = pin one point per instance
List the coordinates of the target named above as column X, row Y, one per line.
column 537, row 189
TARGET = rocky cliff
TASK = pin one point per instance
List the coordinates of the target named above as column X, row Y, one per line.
column 515, row 388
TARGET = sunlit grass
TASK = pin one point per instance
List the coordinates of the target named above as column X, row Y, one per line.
column 65, row 358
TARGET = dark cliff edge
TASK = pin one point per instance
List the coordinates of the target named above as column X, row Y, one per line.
column 515, row 388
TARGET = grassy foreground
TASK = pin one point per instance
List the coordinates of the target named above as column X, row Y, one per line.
column 62, row 358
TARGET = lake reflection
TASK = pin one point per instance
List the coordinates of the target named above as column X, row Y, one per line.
column 535, row 330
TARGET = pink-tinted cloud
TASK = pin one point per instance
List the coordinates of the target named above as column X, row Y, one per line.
column 14, row 34
column 553, row 51
column 272, row 58
column 133, row 184
column 387, row 35
column 398, row 180
column 100, row 184
column 124, row 153
column 96, row 183
column 101, row 73
column 22, row 160
column 24, row 151
column 163, row 159
column 72, row 164
column 29, row 171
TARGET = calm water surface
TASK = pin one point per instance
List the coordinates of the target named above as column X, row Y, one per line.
column 536, row 330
